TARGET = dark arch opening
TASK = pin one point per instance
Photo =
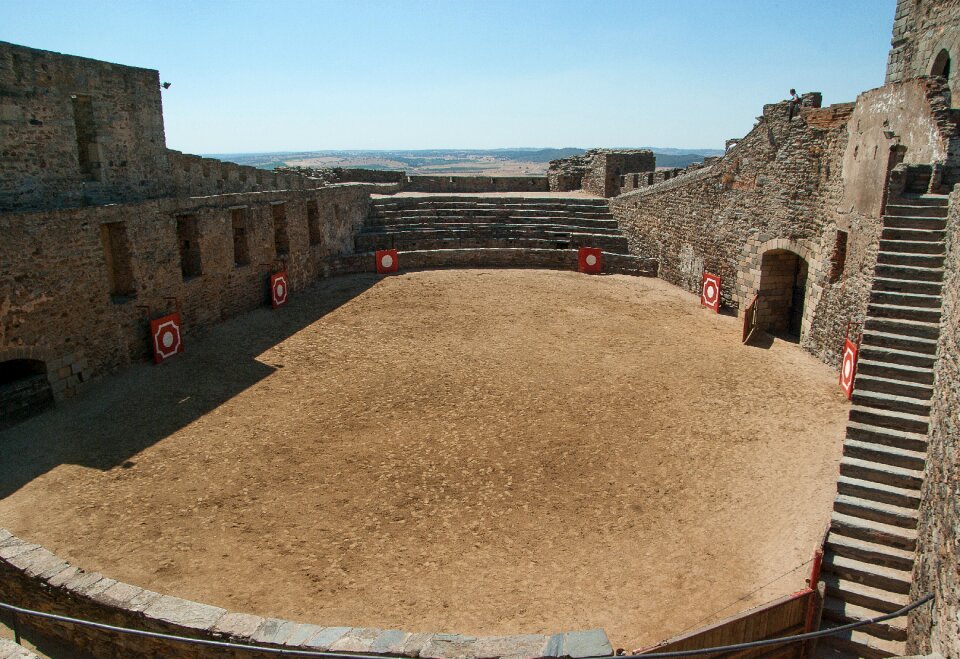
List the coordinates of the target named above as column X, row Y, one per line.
column 941, row 65
column 783, row 290
column 24, row 390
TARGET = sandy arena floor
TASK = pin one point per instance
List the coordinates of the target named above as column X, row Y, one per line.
column 477, row 451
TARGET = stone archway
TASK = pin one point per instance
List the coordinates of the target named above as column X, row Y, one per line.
column 782, row 292
column 25, row 389
column 941, row 64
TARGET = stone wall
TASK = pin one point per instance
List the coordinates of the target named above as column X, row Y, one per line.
column 600, row 172
column 923, row 31
column 936, row 628
column 32, row 577
column 77, row 131
column 195, row 176
column 476, row 184
column 81, row 305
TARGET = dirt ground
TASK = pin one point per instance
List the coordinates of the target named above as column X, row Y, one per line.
column 478, row 451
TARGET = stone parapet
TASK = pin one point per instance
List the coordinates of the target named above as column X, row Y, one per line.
column 32, row 577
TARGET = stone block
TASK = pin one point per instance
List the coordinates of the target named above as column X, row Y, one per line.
column 587, row 643
column 143, row 601
column 358, row 639
column 15, row 549
column 390, row 641
column 273, row 631
column 238, row 625
column 450, row 646
column 117, row 594
column 302, row 632
column 326, row 637
column 526, row 645
column 63, row 577
column 184, row 612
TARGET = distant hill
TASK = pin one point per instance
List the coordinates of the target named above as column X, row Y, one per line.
column 526, row 161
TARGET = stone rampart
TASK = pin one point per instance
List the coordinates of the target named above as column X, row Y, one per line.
column 84, row 281
column 476, row 184
column 33, row 577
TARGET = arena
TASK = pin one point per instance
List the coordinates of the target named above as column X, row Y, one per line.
column 615, row 459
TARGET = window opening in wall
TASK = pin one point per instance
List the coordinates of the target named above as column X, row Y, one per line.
column 839, row 256
column 116, row 251
column 241, row 248
column 280, row 238
column 313, row 223
column 88, row 156
column 941, row 64
column 188, row 238
column 24, row 390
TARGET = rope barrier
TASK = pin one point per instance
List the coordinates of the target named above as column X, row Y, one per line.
column 16, row 610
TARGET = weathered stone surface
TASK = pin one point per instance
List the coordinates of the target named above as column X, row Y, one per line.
column 449, row 646
column 184, row 612
column 390, row 641
column 525, row 645
column 11, row 650
column 237, row 625
column 118, row 594
column 326, row 637
column 273, row 631
column 587, row 643
column 358, row 639
column 302, row 632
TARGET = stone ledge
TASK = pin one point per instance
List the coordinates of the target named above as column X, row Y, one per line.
column 10, row 650
column 32, row 577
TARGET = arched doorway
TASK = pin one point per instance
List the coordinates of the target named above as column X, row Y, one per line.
column 24, row 390
column 941, row 64
column 783, row 291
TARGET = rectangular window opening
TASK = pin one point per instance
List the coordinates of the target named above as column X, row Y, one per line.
column 116, row 252
column 313, row 223
column 88, row 155
column 188, row 238
column 280, row 238
column 241, row 249
column 838, row 258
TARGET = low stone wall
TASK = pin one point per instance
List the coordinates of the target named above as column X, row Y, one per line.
column 936, row 628
column 476, row 184
column 195, row 176
column 32, row 577
column 553, row 259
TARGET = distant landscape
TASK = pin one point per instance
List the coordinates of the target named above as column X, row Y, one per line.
column 462, row 162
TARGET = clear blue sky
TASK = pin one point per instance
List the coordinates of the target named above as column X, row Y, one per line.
column 275, row 75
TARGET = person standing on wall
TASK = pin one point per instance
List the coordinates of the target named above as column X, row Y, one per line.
column 795, row 102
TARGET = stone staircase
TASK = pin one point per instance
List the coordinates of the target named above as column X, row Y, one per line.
column 489, row 222
column 870, row 549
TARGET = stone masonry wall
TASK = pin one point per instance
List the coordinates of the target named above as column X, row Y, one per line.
column 63, row 306
column 32, row 577
column 603, row 175
column 921, row 30
column 45, row 98
column 476, row 184
column 936, row 628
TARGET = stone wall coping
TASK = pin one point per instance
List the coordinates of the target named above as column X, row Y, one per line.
column 677, row 181
column 138, row 608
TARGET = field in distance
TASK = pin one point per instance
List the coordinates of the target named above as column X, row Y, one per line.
column 494, row 162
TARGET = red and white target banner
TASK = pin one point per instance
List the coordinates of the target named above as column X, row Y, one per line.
column 279, row 288
column 165, row 336
column 387, row 261
column 710, row 293
column 848, row 367
column 589, row 260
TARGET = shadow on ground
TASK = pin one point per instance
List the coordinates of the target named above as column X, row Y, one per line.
column 164, row 398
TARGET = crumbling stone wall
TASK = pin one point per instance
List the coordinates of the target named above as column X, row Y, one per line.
column 936, row 627
column 599, row 171
column 61, row 306
column 78, row 131
column 923, row 32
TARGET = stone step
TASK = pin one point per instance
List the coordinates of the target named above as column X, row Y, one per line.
column 888, row 455
column 865, row 470
column 912, row 235
column 856, row 643
column 844, row 613
column 895, row 371
column 909, row 273
column 923, row 200
column 875, row 576
column 913, row 247
column 868, row 530
column 415, row 242
column 897, row 496
column 912, row 259
column 870, row 552
column 915, row 210
column 474, row 204
column 508, row 225
column 891, row 341
column 907, row 286
column 925, row 223
column 883, row 401
column 441, row 220
column 867, row 382
column 909, row 441
column 863, row 595
column 906, row 299
column 489, row 214
column 918, row 328
column 875, row 511
column 924, row 314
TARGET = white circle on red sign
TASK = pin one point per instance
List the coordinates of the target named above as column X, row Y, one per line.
column 167, row 339
column 280, row 290
column 386, row 261
column 711, row 292
column 591, row 260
